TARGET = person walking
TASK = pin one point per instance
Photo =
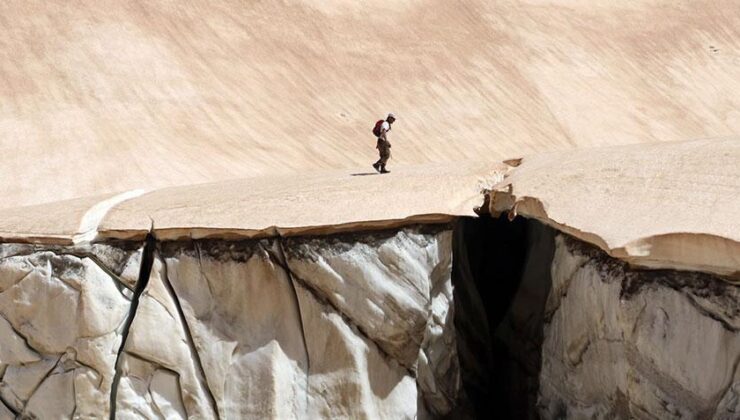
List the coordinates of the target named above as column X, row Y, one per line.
column 381, row 129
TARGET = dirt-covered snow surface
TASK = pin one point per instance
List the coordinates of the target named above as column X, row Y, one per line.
column 190, row 226
column 591, row 283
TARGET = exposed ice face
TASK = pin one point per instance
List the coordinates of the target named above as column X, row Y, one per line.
column 344, row 326
column 61, row 313
column 357, row 325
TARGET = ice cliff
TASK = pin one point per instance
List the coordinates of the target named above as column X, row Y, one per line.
column 343, row 326
column 424, row 321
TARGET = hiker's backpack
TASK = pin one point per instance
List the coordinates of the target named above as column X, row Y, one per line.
column 376, row 129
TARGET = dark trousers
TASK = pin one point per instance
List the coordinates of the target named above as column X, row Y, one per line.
column 384, row 148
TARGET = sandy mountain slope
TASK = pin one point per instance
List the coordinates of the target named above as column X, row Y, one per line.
column 668, row 205
column 99, row 97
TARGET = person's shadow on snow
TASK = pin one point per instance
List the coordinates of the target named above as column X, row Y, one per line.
column 364, row 174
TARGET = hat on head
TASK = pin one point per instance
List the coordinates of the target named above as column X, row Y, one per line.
column 391, row 115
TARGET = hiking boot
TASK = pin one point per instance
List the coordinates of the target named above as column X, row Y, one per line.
column 384, row 171
column 376, row 166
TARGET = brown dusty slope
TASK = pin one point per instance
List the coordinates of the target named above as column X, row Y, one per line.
column 321, row 202
column 99, row 97
column 668, row 205
column 664, row 205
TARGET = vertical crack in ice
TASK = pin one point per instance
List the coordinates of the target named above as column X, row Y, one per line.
column 147, row 260
column 291, row 280
column 199, row 251
column 117, row 281
column 189, row 337
column 74, row 396
column 10, row 408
